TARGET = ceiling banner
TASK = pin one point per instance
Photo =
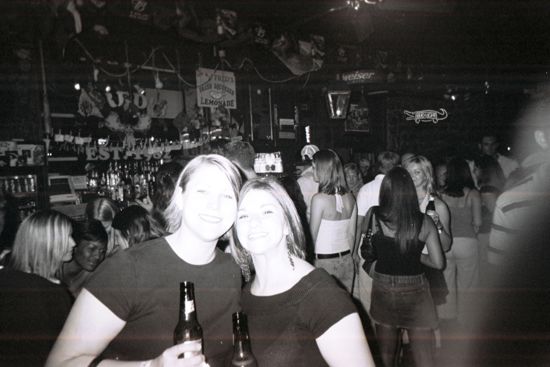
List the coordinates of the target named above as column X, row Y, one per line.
column 216, row 88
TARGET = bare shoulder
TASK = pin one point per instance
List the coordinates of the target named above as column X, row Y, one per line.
column 440, row 204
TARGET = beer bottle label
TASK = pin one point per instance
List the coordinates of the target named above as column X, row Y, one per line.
column 189, row 307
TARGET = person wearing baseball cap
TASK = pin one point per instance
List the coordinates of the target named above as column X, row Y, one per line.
column 307, row 184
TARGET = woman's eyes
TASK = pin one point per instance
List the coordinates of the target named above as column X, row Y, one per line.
column 244, row 216
column 225, row 196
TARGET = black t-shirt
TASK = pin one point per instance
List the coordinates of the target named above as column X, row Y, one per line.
column 141, row 286
column 283, row 327
column 32, row 313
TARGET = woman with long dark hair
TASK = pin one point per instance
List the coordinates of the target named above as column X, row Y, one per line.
column 462, row 270
column 393, row 256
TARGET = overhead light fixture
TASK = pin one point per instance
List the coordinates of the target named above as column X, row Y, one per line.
column 77, row 86
column 139, row 89
column 338, row 102
column 356, row 4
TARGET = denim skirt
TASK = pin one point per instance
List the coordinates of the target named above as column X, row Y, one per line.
column 402, row 301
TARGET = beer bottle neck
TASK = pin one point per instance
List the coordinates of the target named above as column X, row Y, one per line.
column 187, row 310
column 242, row 339
column 187, row 302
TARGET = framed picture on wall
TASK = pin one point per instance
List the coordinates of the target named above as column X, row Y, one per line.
column 357, row 119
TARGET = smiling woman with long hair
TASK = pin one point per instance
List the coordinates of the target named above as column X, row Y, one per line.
column 298, row 315
column 128, row 309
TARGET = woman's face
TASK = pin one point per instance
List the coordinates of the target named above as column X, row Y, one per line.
column 208, row 203
column 260, row 223
column 441, row 174
column 89, row 254
column 419, row 178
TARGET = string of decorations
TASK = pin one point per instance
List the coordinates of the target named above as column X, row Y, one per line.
column 246, row 61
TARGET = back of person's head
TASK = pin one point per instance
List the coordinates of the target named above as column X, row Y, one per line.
column 165, row 180
column 308, row 151
column 173, row 212
column 425, row 166
column 399, row 206
column 42, row 243
column 102, row 209
column 295, row 238
column 533, row 127
column 241, row 153
column 386, row 161
column 489, row 171
column 405, row 157
column 90, row 230
column 330, row 172
column 459, row 177
column 137, row 225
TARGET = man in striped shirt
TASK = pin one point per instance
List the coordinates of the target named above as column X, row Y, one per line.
column 516, row 208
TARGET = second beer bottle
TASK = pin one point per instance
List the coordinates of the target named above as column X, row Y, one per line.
column 242, row 352
column 188, row 329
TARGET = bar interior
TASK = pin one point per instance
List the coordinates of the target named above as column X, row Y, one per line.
column 103, row 104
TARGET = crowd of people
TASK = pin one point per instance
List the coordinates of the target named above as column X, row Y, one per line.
column 344, row 264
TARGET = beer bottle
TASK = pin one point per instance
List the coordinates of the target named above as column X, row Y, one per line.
column 430, row 208
column 242, row 352
column 188, row 329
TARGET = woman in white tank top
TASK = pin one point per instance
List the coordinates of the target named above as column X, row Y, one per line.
column 333, row 218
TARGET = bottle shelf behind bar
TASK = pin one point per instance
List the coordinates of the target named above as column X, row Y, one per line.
column 124, row 181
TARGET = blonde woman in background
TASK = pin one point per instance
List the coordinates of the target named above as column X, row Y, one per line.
column 33, row 302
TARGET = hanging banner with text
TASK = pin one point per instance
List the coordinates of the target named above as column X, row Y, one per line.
column 216, row 88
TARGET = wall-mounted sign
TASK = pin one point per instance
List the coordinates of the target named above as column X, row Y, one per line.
column 361, row 76
column 426, row 115
column 216, row 88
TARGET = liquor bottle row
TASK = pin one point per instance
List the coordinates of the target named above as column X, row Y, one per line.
column 124, row 180
column 18, row 184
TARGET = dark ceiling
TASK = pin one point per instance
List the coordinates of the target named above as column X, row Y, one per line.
column 465, row 37
column 460, row 33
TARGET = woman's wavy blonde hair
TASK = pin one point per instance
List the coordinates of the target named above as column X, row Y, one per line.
column 427, row 169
